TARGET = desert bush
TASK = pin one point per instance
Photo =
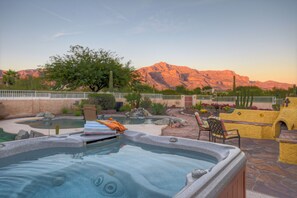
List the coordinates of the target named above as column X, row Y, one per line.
column 133, row 99
column 198, row 106
column 158, row 109
column 78, row 113
column 65, row 110
column 106, row 101
column 125, row 108
column 146, row 103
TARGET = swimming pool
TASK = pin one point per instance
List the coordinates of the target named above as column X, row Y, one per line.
column 68, row 123
column 131, row 165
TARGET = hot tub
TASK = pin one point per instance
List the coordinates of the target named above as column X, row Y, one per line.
column 129, row 165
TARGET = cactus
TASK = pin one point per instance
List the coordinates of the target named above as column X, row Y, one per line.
column 57, row 129
column 234, row 84
column 244, row 100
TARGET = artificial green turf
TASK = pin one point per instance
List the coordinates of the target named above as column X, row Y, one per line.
column 4, row 136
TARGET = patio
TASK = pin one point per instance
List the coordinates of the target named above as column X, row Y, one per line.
column 265, row 176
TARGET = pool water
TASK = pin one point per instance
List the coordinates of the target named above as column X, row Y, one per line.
column 67, row 123
column 116, row 168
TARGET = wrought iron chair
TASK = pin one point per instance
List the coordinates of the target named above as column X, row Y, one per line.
column 202, row 126
column 218, row 131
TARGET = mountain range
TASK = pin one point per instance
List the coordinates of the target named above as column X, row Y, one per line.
column 166, row 76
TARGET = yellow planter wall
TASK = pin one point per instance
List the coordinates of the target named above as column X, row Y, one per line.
column 252, row 131
column 253, row 116
column 259, row 116
column 288, row 152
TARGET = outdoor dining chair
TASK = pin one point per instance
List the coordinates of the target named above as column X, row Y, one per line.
column 218, row 131
column 202, row 126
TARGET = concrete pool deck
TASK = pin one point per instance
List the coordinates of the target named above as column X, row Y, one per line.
column 11, row 126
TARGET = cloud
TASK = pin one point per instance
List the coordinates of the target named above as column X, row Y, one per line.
column 116, row 13
column 55, row 14
column 63, row 34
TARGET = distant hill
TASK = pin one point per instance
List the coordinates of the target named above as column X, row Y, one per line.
column 166, row 76
column 24, row 73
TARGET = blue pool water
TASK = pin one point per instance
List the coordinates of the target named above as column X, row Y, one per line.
column 67, row 123
column 116, row 168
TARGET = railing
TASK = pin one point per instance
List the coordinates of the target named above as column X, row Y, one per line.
column 171, row 97
column 265, row 99
column 83, row 95
column 225, row 99
column 204, row 97
column 152, row 96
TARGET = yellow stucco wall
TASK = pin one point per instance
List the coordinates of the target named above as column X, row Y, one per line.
column 255, row 116
column 288, row 152
column 252, row 131
column 260, row 116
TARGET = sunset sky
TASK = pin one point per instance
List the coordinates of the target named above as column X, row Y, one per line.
column 255, row 38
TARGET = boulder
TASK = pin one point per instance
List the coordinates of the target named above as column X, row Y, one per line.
column 34, row 134
column 45, row 114
column 22, row 134
column 164, row 121
column 48, row 115
column 173, row 122
column 41, row 114
column 140, row 112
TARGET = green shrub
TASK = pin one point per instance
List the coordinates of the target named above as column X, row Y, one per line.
column 125, row 108
column 133, row 99
column 198, row 106
column 78, row 113
column 146, row 103
column 158, row 109
column 106, row 101
column 65, row 110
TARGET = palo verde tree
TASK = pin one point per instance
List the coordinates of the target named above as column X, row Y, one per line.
column 84, row 67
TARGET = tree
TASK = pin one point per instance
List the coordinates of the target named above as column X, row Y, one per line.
column 84, row 67
column 182, row 90
column 197, row 90
column 207, row 87
column 10, row 77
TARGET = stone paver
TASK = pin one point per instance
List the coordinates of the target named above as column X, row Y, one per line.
column 265, row 176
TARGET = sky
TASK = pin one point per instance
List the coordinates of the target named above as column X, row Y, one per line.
column 254, row 38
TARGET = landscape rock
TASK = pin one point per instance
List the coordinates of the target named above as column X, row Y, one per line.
column 173, row 122
column 45, row 114
column 48, row 115
column 140, row 112
column 41, row 114
column 34, row 134
column 22, row 134
column 164, row 121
